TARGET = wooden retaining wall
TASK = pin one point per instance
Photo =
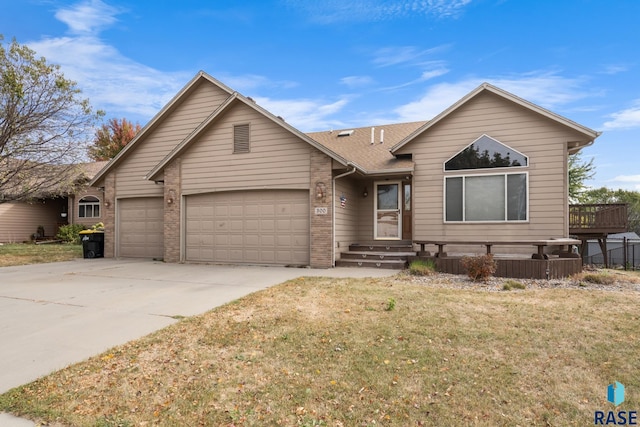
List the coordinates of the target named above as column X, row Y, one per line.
column 518, row 268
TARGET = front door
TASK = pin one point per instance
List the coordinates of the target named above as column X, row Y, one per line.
column 406, row 211
column 388, row 218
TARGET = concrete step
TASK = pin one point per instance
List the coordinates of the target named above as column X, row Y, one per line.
column 380, row 247
column 372, row 263
column 376, row 256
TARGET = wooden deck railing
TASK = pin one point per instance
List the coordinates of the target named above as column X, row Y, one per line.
column 598, row 218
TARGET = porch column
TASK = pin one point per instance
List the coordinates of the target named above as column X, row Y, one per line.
column 172, row 210
column 321, row 205
column 109, row 215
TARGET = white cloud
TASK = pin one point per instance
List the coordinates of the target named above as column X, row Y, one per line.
column 625, row 182
column 356, row 81
column 88, row 17
column 111, row 81
column 336, row 11
column 305, row 114
column 394, row 55
column 545, row 89
column 625, row 119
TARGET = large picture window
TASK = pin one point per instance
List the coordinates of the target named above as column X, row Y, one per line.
column 89, row 207
column 501, row 197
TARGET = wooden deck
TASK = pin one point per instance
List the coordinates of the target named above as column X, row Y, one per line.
column 598, row 219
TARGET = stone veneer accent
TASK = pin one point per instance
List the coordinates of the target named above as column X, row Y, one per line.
column 172, row 190
column 109, row 215
column 321, row 225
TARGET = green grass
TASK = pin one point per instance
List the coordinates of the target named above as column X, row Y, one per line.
column 329, row 352
column 29, row 253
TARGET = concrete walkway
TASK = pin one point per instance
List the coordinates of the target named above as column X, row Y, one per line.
column 54, row 315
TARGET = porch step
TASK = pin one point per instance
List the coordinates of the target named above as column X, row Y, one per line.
column 377, row 254
column 397, row 264
column 381, row 247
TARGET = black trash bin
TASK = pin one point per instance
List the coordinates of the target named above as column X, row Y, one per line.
column 92, row 243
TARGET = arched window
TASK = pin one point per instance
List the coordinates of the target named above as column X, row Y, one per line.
column 89, row 207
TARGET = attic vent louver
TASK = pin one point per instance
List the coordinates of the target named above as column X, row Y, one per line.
column 241, row 138
column 345, row 133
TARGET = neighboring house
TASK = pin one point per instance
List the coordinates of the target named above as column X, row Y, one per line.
column 616, row 251
column 214, row 177
column 20, row 221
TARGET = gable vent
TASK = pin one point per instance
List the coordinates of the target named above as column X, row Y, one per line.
column 241, row 138
column 345, row 133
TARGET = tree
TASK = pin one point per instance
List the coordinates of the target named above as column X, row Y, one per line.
column 606, row 195
column 579, row 172
column 44, row 125
column 111, row 138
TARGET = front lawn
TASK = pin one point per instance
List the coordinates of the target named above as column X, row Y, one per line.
column 362, row 352
column 29, row 253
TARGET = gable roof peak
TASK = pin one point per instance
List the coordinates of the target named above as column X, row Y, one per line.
column 590, row 134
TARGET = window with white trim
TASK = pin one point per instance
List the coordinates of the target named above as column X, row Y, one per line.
column 89, row 207
column 484, row 153
column 481, row 198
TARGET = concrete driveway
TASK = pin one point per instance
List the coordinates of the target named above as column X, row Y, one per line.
column 53, row 315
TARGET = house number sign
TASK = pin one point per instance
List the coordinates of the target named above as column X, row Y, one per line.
column 322, row 211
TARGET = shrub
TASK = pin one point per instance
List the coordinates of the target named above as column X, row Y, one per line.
column 479, row 267
column 422, row 267
column 599, row 278
column 512, row 284
column 69, row 233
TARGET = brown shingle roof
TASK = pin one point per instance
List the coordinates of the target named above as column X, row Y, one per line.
column 357, row 147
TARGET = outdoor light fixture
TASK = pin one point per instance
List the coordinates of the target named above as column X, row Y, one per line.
column 321, row 190
column 171, row 196
column 365, row 193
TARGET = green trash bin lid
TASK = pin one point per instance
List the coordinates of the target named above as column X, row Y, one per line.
column 91, row 231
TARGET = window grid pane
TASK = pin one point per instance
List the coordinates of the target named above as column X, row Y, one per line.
column 486, row 198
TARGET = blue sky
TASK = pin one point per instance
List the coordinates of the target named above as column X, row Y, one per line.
column 331, row 64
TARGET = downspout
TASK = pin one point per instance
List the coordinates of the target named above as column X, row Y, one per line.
column 333, row 213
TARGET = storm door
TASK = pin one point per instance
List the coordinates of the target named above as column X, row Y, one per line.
column 387, row 219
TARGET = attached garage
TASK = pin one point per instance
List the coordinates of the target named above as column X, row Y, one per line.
column 248, row 227
column 140, row 227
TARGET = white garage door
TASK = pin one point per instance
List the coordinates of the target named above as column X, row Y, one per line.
column 253, row 227
column 140, row 228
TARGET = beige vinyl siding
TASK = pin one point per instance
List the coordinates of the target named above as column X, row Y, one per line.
column 130, row 174
column 276, row 158
column 20, row 220
column 347, row 219
column 541, row 139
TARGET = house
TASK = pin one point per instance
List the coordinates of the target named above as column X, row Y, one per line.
column 42, row 216
column 214, row 177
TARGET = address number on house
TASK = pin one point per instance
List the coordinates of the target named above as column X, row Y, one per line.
column 322, row 211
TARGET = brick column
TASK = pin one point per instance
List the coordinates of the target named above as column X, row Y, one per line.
column 172, row 210
column 109, row 215
column 321, row 224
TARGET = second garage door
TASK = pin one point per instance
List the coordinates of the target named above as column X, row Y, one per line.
column 251, row 227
